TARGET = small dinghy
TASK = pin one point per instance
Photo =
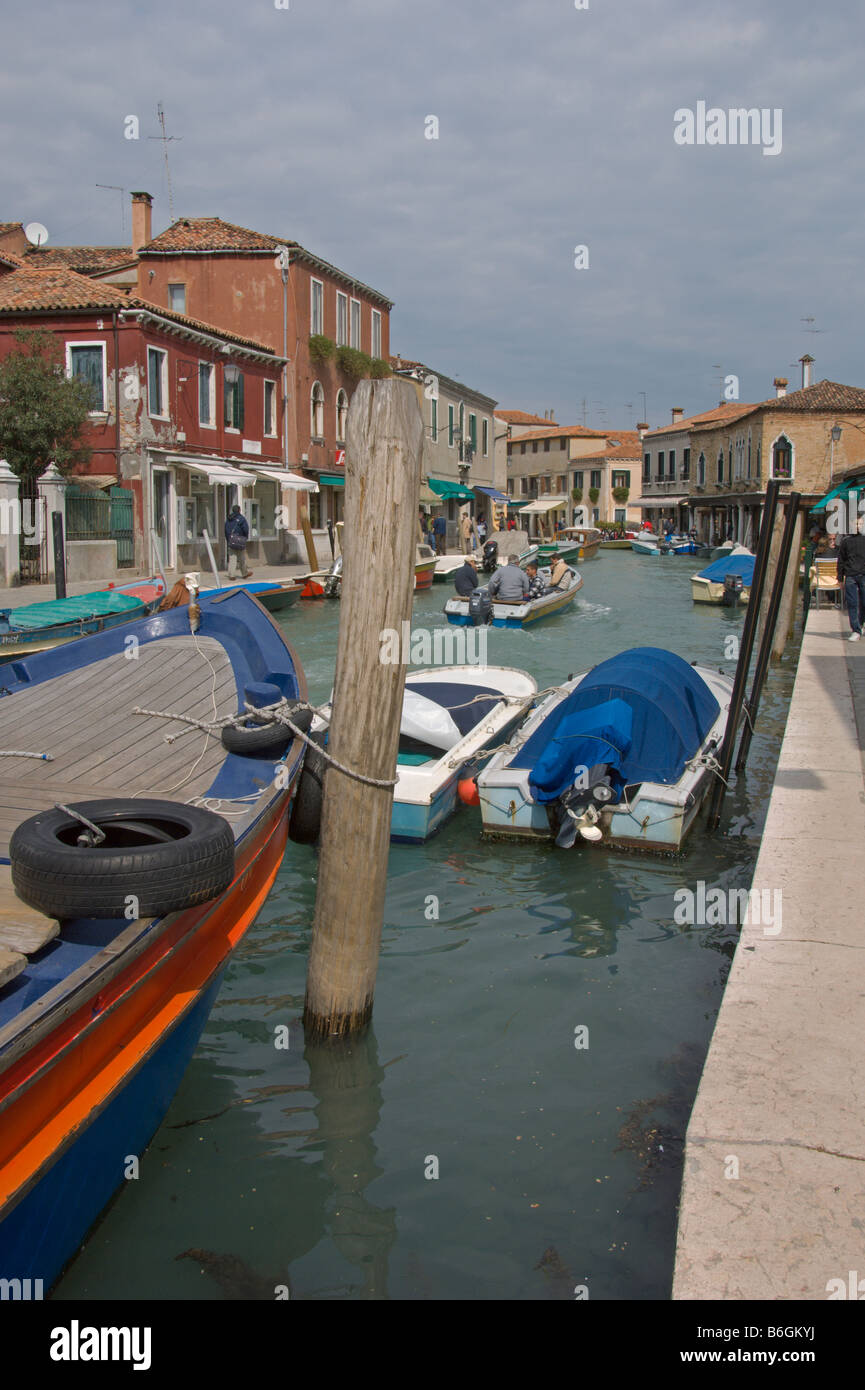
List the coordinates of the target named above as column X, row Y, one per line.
column 136, row 849
column 450, row 715
column 36, row 627
column 620, row 756
column 273, row 595
column 479, row 608
column 726, row 581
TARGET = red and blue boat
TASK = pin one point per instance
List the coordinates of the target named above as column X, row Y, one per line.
column 139, row 840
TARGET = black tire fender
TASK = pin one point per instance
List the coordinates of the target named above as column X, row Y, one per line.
column 252, row 739
column 305, row 820
column 159, row 856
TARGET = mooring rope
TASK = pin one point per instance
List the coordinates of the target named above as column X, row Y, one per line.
column 17, row 753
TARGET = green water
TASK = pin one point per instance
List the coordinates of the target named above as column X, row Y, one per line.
column 310, row 1168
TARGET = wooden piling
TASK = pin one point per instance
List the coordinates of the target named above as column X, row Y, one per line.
column 384, row 447
column 787, row 610
column 303, row 509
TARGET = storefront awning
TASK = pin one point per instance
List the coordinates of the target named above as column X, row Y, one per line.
column 447, row 489
column 285, row 478
column 331, row 480
column 657, row 501
column 546, row 504
column 493, row 493
column 215, row 472
column 842, row 490
column 427, row 495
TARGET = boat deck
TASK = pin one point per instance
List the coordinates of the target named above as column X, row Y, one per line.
column 99, row 747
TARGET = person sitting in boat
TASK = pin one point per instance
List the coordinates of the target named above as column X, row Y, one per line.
column 559, row 574
column 537, row 587
column 466, row 577
column 511, row 584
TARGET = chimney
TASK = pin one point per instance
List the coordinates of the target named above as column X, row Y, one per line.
column 806, row 369
column 142, row 215
column 641, row 428
column 678, row 412
column 780, row 385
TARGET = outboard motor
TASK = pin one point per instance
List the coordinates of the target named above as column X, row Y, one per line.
column 490, row 562
column 480, row 607
column 333, row 583
column 733, row 585
column 578, row 810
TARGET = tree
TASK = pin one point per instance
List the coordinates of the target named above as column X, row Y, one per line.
column 42, row 411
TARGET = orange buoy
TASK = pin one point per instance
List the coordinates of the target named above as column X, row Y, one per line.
column 467, row 791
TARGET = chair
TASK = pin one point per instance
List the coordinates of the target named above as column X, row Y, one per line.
column 824, row 580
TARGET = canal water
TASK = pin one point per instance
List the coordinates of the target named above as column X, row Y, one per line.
column 466, row 1149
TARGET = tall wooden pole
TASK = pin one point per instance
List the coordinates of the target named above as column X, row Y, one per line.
column 384, row 446
column 791, row 589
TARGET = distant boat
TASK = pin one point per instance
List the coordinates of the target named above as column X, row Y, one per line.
column 479, row 608
column 134, row 868
column 589, row 540
column 274, row 595
column 567, row 550
column 727, row 580
column 618, row 755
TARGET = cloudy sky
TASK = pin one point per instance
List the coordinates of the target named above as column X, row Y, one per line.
column 555, row 129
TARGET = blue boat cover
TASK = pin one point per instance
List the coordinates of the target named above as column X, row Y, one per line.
column 671, row 711
column 730, row 564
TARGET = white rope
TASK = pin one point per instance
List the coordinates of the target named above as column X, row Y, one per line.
column 16, row 753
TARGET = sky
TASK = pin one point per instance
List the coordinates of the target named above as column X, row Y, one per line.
column 556, row 129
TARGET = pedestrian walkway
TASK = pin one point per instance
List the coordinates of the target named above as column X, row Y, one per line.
column 773, row 1194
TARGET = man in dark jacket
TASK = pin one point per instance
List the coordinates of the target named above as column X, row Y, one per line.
column 440, row 531
column 237, row 534
column 466, row 578
column 851, row 573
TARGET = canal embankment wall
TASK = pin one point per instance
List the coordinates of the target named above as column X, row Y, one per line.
column 773, row 1194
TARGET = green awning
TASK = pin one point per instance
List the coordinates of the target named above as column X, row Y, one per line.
column 447, row 489
column 842, row 490
column 525, row 502
column 331, row 480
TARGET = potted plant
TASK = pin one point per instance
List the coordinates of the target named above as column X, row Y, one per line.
column 321, row 349
column 577, row 494
column 594, row 494
column 621, row 494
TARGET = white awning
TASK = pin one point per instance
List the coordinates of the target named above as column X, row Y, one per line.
column 286, row 478
column 545, row 504
column 215, row 472
column 657, row 501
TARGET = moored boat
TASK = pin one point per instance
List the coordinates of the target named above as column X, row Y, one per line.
column 37, row 627
column 274, row 595
column 725, row 581
column 620, row 755
column 567, row 550
column 133, row 868
column 480, row 608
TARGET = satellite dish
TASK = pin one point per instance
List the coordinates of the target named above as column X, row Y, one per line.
column 36, row 234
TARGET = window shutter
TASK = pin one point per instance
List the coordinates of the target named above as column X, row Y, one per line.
column 238, row 403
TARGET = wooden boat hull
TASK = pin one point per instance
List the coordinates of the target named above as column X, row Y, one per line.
column 704, row 591
column 424, row 572
column 569, row 551
column 517, row 614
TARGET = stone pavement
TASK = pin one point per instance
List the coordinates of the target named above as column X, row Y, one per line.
column 773, row 1193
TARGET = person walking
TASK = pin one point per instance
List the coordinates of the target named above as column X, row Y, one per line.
column 465, row 533
column 482, row 531
column 851, row 573
column 237, row 535
column 440, row 531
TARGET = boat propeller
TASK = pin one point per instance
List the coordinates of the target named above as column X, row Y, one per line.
column 580, row 815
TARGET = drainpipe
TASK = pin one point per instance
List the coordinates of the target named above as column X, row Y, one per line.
column 116, row 393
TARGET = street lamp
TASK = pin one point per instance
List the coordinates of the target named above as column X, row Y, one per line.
column 231, row 372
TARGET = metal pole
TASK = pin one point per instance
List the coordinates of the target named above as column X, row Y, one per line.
column 154, row 544
column 752, row 704
column 59, row 555
column 210, row 556
column 752, row 615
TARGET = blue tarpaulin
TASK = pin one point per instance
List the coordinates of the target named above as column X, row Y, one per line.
column 671, row 711
column 730, row 564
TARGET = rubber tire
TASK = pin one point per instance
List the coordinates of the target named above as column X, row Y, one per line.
column 253, row 740
column 64, row 881
column 305, row 820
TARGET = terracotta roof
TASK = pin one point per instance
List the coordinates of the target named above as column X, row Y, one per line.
column 8, row 259
column 522, row 417
column 7, row 227
column 559, row 432
column 623, row 445
column 731, row 410
column 211, row 235
column 28, row 291
column 824, row 395
column 85, row 259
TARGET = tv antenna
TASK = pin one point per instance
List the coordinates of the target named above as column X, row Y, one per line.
column 122, row 191
column 165, row 139
column 36, row 234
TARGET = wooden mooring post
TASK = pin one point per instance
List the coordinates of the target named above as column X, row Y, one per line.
column 384, row 448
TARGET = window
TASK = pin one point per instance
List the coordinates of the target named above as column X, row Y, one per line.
column 450, row 427
column 177, row 298
column 720, row 469
column 316, row 308
column 269, row 407
column 647, row 467
column 232, row 403
column 686, row 464
column 595, row 478
column 355, row 323
column 701, row 470
column 207, row 395
column 341, row 320
column 749, row 453
column 316, row 413
column 157, row 382
column 434, row 419
column 485, row 437
column 342, row 414
column 524, row 487
column 671, row 464
column 782, row 458
column 473, row 432
column 729, row 463
column 87, row 361
column 535, row 447
column 621, row 480
column 562, row 482
column 578, row 480
column 759, row 459
column 376, row 333
column 546, row 446
column 522, row 448
column 659, row 474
